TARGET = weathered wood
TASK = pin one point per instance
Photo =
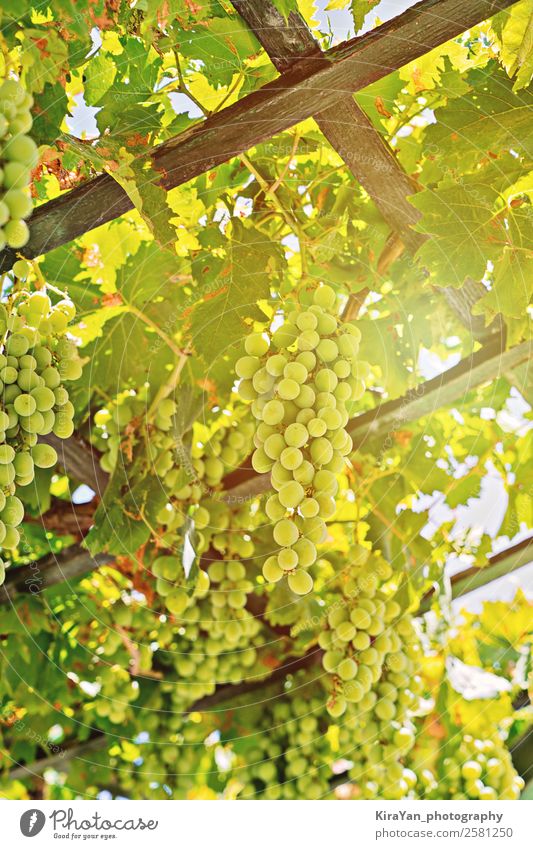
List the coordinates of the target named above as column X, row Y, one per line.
column 499, row 565
column 345, row 125
column 441, row 391
column 475, row 577
column 80, row 461
column 317, row 81
column 53, row 569
column 357, row 141
column 61, row 756
column 66, row 518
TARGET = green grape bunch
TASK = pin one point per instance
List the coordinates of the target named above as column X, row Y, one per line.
column 479, row 769
column 299, row 380
column 288, row 755
column 36, row 358
column 368, row 637
column 18, row 157
column 372, row 655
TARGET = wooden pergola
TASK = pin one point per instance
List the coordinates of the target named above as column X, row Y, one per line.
column 321, row 85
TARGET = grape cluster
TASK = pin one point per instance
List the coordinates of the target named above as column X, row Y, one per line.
column 367, row 634
column 190, row 476
column 213, row 638
column 479, row 769
column 170, row 578
column 228, row 597
column 36, row 358
column 299, row 381
column 18, row 156
column 117, row 691
column 379, row 749
column 372, row 653
column 204, row 657
column 290, row 756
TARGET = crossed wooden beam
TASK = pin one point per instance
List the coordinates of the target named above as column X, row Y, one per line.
column 311, row 83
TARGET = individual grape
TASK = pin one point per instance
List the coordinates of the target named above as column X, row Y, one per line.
column 7, row 454
column 25, row 405
column 13, row 511
column 300, row 582
column 7, row 474
column 285, row 532
column 273, row 411
column 296, row 435
column 291, row 494
column 51, row 377
column 44, row 456
column 256, row 345
column 16, row 233
column 24, row 465
column 33, row 423
column 177, row 601
column 291, row 458
column 44, row 398
column 271, row 570
column 63, row 427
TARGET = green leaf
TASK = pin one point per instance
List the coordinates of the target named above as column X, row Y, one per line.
column 463, row 489
column 285, row 7
column 463, row 228
column 222, row 48
column 488, row 121
column 515, row 28
column 360, row 9
column 512, row 286
column 243, row 278
column 122, row 346
column 49, row 111
column 98, row 78
column 123, row 519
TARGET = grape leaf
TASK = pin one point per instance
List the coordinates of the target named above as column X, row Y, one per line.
column 464, row 231
column 515, row 29
column 360, row 9
column 243, row 278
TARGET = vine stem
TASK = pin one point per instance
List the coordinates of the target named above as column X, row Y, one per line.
column 168, row 387
column 153, row 326
column 290, row 220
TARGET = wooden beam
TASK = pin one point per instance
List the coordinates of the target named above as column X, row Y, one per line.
column 499, row 565
column 80, row 461
column 317, row 81
column 447, row 388
column 345, row 125
column 357, row 141
column 475, row 577
column 34, row 577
